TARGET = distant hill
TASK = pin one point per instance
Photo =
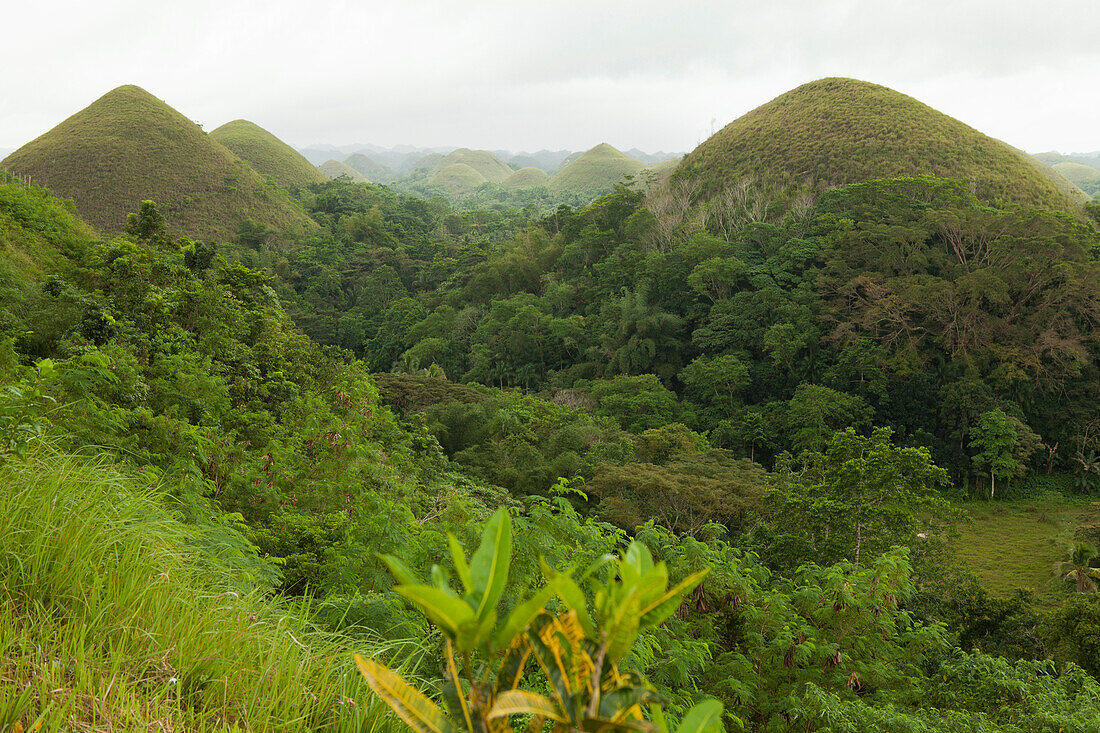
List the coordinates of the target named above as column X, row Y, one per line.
column 457, row 178
column 527, row 178
column 664, row 168
column 595, row 172
column 836, row 131
column 546, row 160
column 651, row 159
column 268, row 155
column 1083, row 176
column 333, row 169
column 489, row 166
column 370, row 169
column 128, row 146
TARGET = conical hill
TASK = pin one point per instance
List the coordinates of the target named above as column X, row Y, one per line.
column 528, row 177
column 333, row 169
column 369, row 168
column 595, row 172
column 129, row 146
column 267, row 154
column 837, row 131
column 487, row 165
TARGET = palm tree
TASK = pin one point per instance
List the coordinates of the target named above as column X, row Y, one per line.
column 1078, row 568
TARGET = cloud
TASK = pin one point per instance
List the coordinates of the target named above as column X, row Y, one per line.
column 537, row 74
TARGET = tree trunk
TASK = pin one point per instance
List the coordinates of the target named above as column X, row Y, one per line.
column 859, row 541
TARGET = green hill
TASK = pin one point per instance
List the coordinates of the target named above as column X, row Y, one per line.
column 457, row 178
column 333, row 169
column 369, row 168
column 1083, row 176
column 488, row 166
column 128, row 146
column 528, row 177
column 837, row 131
column 595, row 172
column 268, row 155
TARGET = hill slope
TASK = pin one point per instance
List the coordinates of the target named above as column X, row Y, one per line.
column 527, row 177
column 333, row 169
column 595, row 172
column 837, row 131
column 268, row 155
column 369, row 168
column 457, row 178
column 128, row 146
column 1083, row 176
column 487, row 165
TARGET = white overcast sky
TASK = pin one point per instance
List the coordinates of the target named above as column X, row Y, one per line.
column 518, row 75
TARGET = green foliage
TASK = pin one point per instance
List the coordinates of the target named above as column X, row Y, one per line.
column 577, row 652
column 861, row 495
column 994, row 438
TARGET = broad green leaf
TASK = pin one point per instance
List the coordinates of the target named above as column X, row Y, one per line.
column 596, row 565
column 475, row 632
column 625, row 703
column 441, row 608
column 622, row 628
column 652, row 584
column 657, row 715
column 706, row 717
column 661, row 608
column 638, row 557
column 453, row 693
column 400, row 571
column 461, row 567
column 422, row 715
column 524, row 702
column 489, row 566
column 523, row 614
column 574, row 598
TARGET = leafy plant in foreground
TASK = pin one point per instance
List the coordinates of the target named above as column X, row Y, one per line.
column 577, row 652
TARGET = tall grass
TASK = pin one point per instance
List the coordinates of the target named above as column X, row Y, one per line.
column 106, row 622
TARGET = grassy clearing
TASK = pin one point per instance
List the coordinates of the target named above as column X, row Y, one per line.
column 109, row 622
column 1015, row 544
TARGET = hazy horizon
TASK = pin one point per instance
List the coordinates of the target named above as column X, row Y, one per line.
column 528, row 76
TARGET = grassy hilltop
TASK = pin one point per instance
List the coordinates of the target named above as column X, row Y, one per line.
column 1083, row 176
column 268, row 155
column 370, row 169
column 128, row 146
column 837, row 131
column 527, row 177
column 333, row 169
column 596, row 171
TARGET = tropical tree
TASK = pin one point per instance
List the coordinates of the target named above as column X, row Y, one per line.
column 861, row 495
column 994, row 437
column 1078, row 568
